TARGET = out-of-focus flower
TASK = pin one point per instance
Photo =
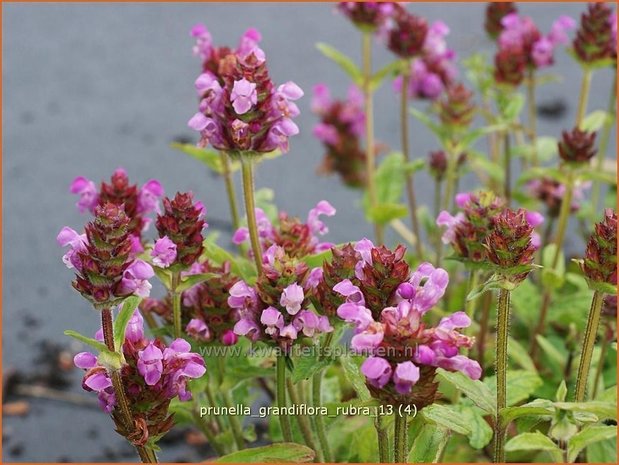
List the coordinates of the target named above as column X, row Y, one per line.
column 577, row 146
column 153, row 375
column 181, row 222
column 495, row 12
column 241, row 110
column 437, row 163
column 296, row 238
column 457, row 109
column 407, row 33
column 551, row 192
column 596, row 36
column 367, row 15
column 341, row 127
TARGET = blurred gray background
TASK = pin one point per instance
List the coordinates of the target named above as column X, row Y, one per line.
column 90, row 87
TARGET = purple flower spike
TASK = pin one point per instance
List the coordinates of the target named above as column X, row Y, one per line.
column 377, row 371
column 135, row 279
column 350, row 291
column 360, row 316
column 77, row 243
column 85, row 360
column 164, row 252
column 198, row 329
column 405, row 376
column 150, row 364
column 292, row 298
column 149, row 196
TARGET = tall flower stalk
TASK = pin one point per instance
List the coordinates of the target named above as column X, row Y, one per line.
column 247, row 166
column 510, row 251
column 230, row 190
column 600, row 269
column 370, row 160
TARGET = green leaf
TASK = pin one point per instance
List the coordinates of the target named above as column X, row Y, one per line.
column 510, row 414
column 191, row 280
column 476, row 391
column 481, row 433
column 384, row 213
column 556, row 358
column 352, row 372
column 539, row 172
column 392, row 69
column 438, row 130
column 594, row 121
column 124, row 315
column 390, row 178
column 532, row 442
column 210, row 157
column 589, row 435
column 602, row 452
column 99, row 346
column 491, row 284
column 520, row 385
column 519, row 355
column 316, row 260
column 592, row 174
column 561, row 392
column 553, row 277
column 344, row 62
column 602, row 410
column 306, row 366
column 446, row 417
column 240, row 266
column 471, row 137
column 511, row 105
column 429, row 444
column 481, row 163
column 286, row 452
column 164, row 276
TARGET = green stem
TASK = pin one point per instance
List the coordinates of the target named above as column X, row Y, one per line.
column 410, row 186
column 369, row 128
column 469, row 306
column 401, row 439
column 176, row 304
column 303, row 421
column 600, row 367
column 230, row 190
column 587, row 346
column 501, row 373
column 532, row 116
column 126, row 417
column 564, row 216
column 585, row 86
column 281, row 398
column 211, row 399
column 604, row 139
column 235, row 424
column 318, row 420
column 508, row 169
column 383, row 440
column 483, row 329
column 450, row 184
column 247, row 165
column 208, row 432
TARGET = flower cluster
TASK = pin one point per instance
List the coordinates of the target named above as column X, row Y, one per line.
column 495, row 12
column 240, row 108
column 206, row 315
column 368, row 16
column 386, row 303
column 456, row 109
column 434, row 69
column 551, row 192
column 406, row 33
column 510, row 244
column 341, row 127
column 467, row 230
column 180, row 232
column 577, row 146
column 137, row 202
column 297, row 239
column 153, row 375
column 596, row 38
column 600, row 264
column 277, row 308
column 522, row 46
column 104, row 259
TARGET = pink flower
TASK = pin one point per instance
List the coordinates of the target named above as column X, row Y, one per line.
column 542, row 52
column 243, row 96
column 135, row 327
column 369, row 338
column 326, row 133
column 273, row 320
column 352, row 293
column 77, row 243
column 87, row 191
column 558, row 32
column 135, row 279
column 248, row 328
column 198, row 329
column 321, row 99
column 148, row 198
column 358, row 315
column 180, row 366
column 451, row 222
column 289, row 332
column 204, row 41
column 406, row 374
column 242, row 296
column 292, row 298
column 377, row 371
column 315, row 224
column 150, row 364
column 228, row 338
column 164, row 252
